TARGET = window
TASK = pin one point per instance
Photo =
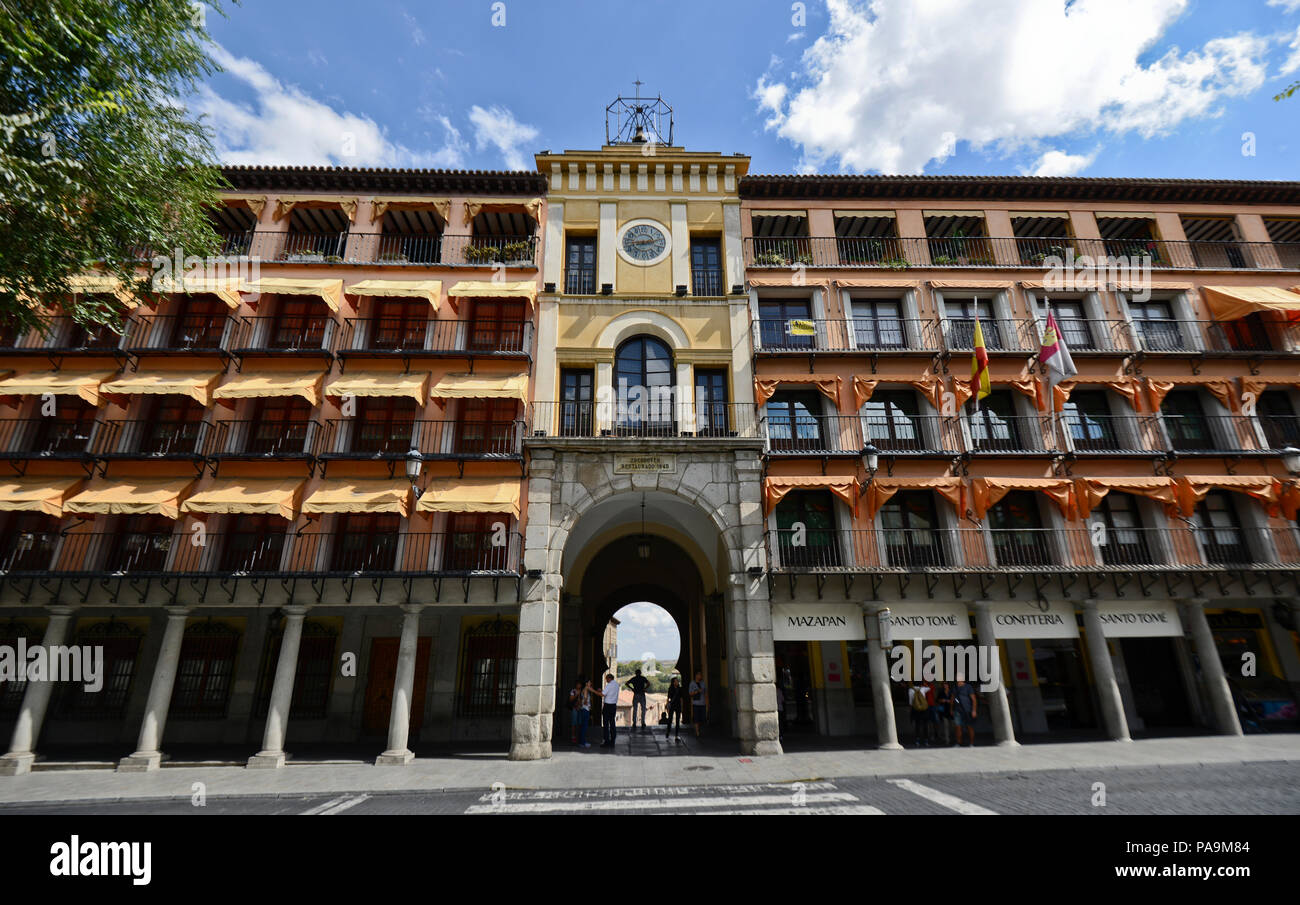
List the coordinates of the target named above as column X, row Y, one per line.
column 100, row 336
column 280, row 425
column 365, row 543
column 891, row 421
column 68, row 431
column 1123, row 541
column 576, row 403
column 994, row 426
column 298, row 324
column 201, row 326
column 878, row 325
column 205, row 671
column 121, row 646
column 644, row 379
column 487, row 684
column 810, row 515
column 1185, row 421
column 313, row 676
column 1278, row 418
column 580, row 265
column 774, row 327
column 13, row 689
column 1019, row 538
column 399, row 324
column 174, row 427
column 469, row 543
column 711, row 412
column 1075, row 328
column 1222, row 539
column 486, row 427
column 140, row 544
column 1246, row 334
column 383, row 425
column 910, row 526
column 794, row 422
column 254, row 543
column 706, row 267
column 1088, row 419
column 497, row 325
column 1156, row 327
column 961, row 324
column 29, row 541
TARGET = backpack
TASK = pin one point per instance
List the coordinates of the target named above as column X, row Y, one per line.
column 919, row 703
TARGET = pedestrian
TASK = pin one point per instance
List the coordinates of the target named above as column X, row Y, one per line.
column 638, row 683
column 965, row 707
column 575, row 703
column 943, row 713
column 580, row 701
column 780, row 711
column 674, row 706
column 919, row 703
column 699, row 701
column 609, row 711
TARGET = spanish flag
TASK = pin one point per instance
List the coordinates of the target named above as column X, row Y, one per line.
column 979, row 366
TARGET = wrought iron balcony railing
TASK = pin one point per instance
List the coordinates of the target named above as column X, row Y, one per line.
column 54, row 438
column 1213, row 433
column 814, row 435
column 61, row 333
column 155, row 439
column 394, row 249
column 193, row 333
column 882, row 334
column 298, row 333
column 1089, row 433
column 990, row 433
column 655, row 418
column 264, row 439
column 353, row 438
column 404, row 336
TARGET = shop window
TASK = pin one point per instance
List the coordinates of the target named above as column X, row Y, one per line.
column 121, row 646
column 205, row 671
column 313, row 677
column 487, row 680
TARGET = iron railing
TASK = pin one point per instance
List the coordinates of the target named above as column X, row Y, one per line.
column 805, row 434
column 264, row 439
column 155, row 439
column 1212, row 433
column 999, row 335
column 1089, row 433
column 179, row 332
column 398, row 336
column 60, row 332
column 354, row 438
column 655, row 417
column 54, row 437
column 881, row 334
column 580, row 281
column 991, row 433
column 395, row 249
column 311, row 332
column 1280, row 431
column 707, row 281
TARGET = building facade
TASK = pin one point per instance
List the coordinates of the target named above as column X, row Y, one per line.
column 389, row 481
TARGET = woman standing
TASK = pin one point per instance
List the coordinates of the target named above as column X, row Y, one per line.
column 580, row 697
column 674, row 706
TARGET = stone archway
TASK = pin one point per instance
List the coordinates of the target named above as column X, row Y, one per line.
column 710, row 504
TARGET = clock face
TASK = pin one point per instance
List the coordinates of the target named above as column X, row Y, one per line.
column 645, row 243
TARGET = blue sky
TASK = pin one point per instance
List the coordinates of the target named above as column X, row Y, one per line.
column 645, row 628
column 1049, row 87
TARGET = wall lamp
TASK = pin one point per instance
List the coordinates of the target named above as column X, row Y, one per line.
column 681, row 291
column 870, row 461
column 414, row 464
column 1291, row 459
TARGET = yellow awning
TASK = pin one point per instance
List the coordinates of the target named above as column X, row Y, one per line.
column 486, row 289
column 402, row 289
column 306, row 384
column 102, row 284
column 381, row 383
column 481, row 386
column 197, row 283
column 361, row 495
column 477, row 494
column 198, row 385
column 132, row 496
column 85, row 384
column 248, row 496
column 48, row 494
column 1228, row 303
column 327, row 291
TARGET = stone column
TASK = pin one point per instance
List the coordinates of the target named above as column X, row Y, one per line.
column 36, row 699
column 1103, row 672
column 535, row 668
column 882, row 698
column 752, row 658
column 999, row 708
column 277, row 714
column 1216, row 682
column 399, row 718
column 147, row 756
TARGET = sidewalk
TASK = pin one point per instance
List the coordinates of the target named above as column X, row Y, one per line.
column 570, row 769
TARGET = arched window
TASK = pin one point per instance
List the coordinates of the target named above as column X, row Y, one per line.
column 643, row 386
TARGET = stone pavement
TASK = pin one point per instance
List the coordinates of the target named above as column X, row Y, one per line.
column 688, row 764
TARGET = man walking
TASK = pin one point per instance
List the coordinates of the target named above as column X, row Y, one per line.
column 638, row 683
column 609, row 711
column 964, row 710
column 699, row 692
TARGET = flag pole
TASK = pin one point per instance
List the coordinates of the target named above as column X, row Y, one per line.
column 1050, row 394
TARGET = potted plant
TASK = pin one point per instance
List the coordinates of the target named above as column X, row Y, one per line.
column 393, row 257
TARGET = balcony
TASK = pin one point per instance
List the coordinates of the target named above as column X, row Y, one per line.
column 1172, row 549
column 154, row 439
column 654, row 420
column 404, row 338
column 55, row 439
column 1001, row 434
column 249, row 440
column 1213, row 434
column 844, row 435
column 777, row 335
column 1111, row 434
column 191, row 334
column 395, row 249
column 707, row 282
column 61, row 334
column 999, row 335
column 434, row 440
column 283, row 554
column 298, row 335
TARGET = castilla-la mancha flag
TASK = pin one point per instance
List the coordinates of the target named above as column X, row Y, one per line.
column 1054, row 354
column 979, row 366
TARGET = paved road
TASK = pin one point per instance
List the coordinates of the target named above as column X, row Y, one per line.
column 1256, row 788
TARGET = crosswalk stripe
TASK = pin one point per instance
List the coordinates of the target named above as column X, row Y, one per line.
column 340, row 808
column 335, row 806
column 652, row 804
column 854, row 809
column 952, row 802
column 321, row 807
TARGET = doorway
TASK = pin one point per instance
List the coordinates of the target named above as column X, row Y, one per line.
column 1158, row 695
column 1063, row 685
column 379, row 685
column 795, row 681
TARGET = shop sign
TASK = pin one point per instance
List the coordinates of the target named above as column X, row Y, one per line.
column 929, row 622
column 1033, row 619
column 817, row 622
column 1146, row 619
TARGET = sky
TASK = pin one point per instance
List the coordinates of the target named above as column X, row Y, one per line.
column 646, row 630
column 1158, row 88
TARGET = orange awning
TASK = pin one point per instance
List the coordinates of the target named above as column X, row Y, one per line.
column 402, row 289
column 248, row 496
column 478, row 494
column 986, row 492
column 765, row 386
column 1088, row 492
column 306, row 384
column 1024, row 384
column 85, row 384
column 1221, row 388
column 381, row 383
column 376, row 495
column 1125, row 386
column 198, row 385
column 47, row 494
column 776, row 487
column 328, row 291
column 132, row 496
column 1194, row 488
column 1230, row 303
column 481, row 386
column 200, row 284
column 880, row 490
column 486, row 289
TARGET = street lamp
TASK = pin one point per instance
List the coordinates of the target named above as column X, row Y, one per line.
column 1291, row 459
column 870, row 461
column 414, row 463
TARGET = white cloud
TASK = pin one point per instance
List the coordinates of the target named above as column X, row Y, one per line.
column 413, row 28
column 286, row 126
column 646, row 616
column 1293, row 61
column 497, row 126
column 1289, row 6
column 895, row 84
column 1059, row 163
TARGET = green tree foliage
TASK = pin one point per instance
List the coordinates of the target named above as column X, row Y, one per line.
column 99, row 159
column 1287, row 92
